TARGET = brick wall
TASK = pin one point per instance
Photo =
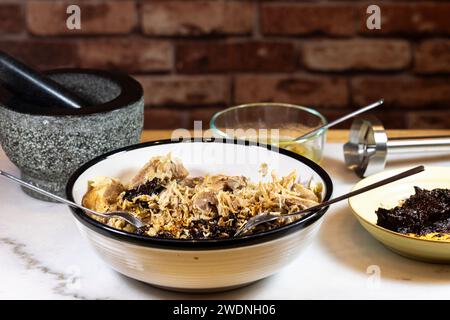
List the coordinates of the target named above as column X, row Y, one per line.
column 195, row 57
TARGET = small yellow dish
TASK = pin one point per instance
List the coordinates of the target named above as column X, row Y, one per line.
column 365, row 205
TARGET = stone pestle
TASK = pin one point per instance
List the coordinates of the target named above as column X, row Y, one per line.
column 29, row 86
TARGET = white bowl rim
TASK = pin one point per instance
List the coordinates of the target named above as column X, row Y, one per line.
column 203, row 244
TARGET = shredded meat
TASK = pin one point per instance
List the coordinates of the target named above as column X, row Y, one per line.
column 174, row 205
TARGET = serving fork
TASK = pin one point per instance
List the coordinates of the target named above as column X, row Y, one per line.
column 128, row 217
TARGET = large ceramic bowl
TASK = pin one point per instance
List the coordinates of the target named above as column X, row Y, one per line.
column 199, row 265
column 365, row 205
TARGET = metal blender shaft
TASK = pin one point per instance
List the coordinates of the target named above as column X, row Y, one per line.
column 368, row 146
column 418, row 144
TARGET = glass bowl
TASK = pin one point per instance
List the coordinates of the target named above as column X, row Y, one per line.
column 277, row 124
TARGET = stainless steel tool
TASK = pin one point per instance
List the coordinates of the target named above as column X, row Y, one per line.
column 128, row 217
column 368, row 146
column 341, row 119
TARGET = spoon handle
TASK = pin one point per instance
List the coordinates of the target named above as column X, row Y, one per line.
column 43, row 192
column 355, row 113
column 342, row 119
column 396, row 177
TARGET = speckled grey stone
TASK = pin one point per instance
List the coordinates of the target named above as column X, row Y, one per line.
column 49, row 145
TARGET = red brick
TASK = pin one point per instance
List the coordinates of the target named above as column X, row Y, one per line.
column 433, row 56
column 202, row 114
column 356, row 54
column 313, row 91
column 46, row 17
column 43, row 54
column 165, row 118
column 429, row 120
column 130, row 54
column 193, row 18
column 174, row 118
column 185, row 91
column 301, row 19
column 410, row 18
column 11, row 18
column 402, row 91
column 244, row 56
column 390, row 119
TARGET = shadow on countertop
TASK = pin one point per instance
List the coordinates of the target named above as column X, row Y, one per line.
column 346, row 240
column 245, row 292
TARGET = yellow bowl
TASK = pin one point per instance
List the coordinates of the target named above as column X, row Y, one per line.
column 365, row 205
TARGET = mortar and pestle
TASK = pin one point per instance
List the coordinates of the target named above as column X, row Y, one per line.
column 53, row 122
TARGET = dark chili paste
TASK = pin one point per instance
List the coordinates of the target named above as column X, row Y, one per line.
column 148, row 188
column 427, row 211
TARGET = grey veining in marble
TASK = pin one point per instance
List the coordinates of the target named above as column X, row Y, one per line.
column 61, row 279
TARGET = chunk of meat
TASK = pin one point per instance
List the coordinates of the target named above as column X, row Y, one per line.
column 191, row 182
column 163, row 168
column 225, row 183
column 205, row 201
column 102, row 194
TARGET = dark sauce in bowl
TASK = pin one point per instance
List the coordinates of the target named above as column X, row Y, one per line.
column 425, row 212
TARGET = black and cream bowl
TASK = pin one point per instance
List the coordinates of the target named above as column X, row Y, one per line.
column 49, row 144
column 200, row 265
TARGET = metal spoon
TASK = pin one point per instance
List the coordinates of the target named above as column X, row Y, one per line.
column 341, row 119
column 263, row 218
column 128, row 217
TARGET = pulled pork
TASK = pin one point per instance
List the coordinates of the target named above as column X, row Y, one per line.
column 176, row 206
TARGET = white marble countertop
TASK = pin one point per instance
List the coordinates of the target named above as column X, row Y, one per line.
column 42, row 256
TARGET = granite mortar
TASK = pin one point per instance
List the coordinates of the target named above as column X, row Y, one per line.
column 49, row 148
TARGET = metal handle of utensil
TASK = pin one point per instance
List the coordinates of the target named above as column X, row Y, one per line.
column 375, row 185
column 46, row 193
column 418, row 144
column 270, row 217
column 342, row 119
